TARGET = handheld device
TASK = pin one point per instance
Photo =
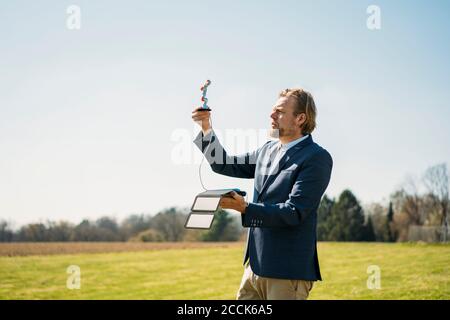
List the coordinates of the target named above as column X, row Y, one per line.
column 199, row 220
column 238, row 191
column 204, row 207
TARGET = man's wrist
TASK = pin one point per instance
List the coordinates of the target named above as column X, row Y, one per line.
column 206, row 131
column 245, row 207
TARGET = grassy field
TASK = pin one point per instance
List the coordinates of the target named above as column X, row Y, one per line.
column 408, row 271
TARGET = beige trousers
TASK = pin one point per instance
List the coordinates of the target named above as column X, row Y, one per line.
column 254, row 287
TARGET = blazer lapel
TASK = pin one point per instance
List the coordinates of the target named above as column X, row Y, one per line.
column 264, row 161
column 284, row 159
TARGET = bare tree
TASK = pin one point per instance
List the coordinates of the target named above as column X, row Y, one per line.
column 379, row 220
column 170, row 223
column 436, row 181
column 412, row 202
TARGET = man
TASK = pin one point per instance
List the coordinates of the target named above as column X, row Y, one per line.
column 291, row 176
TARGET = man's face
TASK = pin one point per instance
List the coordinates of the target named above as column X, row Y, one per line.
column 284, row 122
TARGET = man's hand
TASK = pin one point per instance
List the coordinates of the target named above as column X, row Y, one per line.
column 202, row 119
column 236, row 202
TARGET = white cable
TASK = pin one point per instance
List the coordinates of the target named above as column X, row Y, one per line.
column 200, row 166
column 207, row 147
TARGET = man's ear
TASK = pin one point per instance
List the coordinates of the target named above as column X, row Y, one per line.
column 301, row 119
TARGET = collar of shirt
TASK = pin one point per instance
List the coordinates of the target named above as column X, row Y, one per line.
column 282, row 149
column 287, row 146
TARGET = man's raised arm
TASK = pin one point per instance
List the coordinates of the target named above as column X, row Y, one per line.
column 241, row 166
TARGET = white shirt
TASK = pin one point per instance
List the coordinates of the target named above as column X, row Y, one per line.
column 282, row 149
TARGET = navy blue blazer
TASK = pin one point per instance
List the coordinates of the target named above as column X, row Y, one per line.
column 282, row 218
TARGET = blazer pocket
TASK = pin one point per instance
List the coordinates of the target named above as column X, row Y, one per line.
column 288, row 172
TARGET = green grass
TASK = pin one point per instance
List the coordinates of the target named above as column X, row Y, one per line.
column 408, row 271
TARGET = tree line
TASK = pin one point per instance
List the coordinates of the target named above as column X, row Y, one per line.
column 167, row 225
column 417, row 206
column 339, row 219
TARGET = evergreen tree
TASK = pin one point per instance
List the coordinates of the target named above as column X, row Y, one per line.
column 223, row 228
column 323, row 218
column 390, row 218
column 347, row 219
column 369, row 234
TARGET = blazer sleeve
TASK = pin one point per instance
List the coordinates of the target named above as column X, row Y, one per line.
column 241, row 166
column 304, row 198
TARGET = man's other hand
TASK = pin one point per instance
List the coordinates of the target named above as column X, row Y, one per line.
column 235, row 202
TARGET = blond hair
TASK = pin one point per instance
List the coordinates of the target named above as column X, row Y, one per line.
column 304, row 103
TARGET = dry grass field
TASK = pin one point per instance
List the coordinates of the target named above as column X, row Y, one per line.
column 55, row 248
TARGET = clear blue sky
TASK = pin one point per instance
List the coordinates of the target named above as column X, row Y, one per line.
column 87, row 117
